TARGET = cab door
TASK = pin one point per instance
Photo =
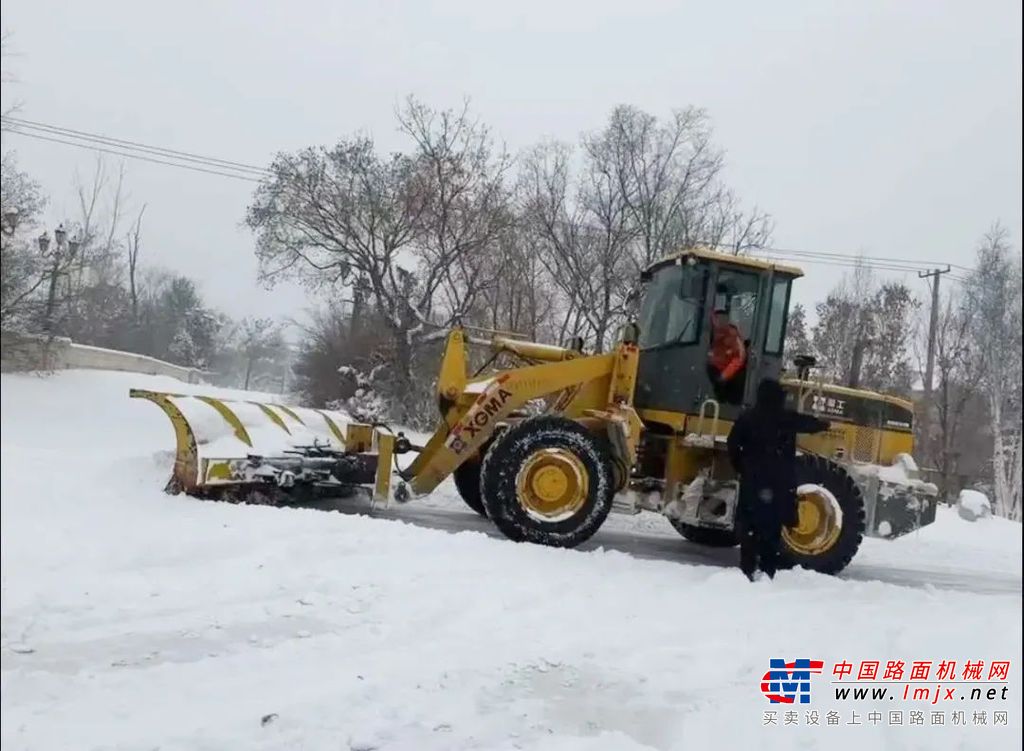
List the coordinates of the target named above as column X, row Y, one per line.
column 759, row 307
column 772, row 332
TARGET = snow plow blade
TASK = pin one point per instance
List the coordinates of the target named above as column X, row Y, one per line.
column 897, row 500
column 259, row 452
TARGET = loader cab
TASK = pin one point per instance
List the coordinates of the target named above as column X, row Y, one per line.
column 711, row 326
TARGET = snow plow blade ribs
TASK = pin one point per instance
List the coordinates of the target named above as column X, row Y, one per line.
column 234, row 449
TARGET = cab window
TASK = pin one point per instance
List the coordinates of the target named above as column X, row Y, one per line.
column 736, row 295
column 777, row 317
column 673, row 305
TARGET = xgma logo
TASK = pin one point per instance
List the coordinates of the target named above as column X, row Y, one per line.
column 789, row 682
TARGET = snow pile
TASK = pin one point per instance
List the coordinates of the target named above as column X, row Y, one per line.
column 135, row 620
column 902, row 472
column 972, row 505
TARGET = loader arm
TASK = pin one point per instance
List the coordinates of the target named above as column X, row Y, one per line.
column 594, row 387
column 484, row 403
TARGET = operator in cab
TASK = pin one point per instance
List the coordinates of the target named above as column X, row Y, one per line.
column 727, row 357
column 762, row 449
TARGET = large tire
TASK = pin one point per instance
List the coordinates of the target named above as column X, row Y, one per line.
column 817, row 470
column 467, row 482
column 712, row 538
column 516, row 451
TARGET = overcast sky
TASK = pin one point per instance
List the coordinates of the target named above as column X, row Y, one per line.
column 888, row 127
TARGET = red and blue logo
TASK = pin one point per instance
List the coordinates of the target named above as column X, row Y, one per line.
column 789, row 682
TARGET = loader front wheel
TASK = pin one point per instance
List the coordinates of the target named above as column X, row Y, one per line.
column 548, row 480
column 467, row 482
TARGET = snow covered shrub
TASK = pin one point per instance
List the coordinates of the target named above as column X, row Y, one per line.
column 365, row 404
column 973, row 505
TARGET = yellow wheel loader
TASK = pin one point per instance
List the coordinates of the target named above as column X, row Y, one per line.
column 548, row 448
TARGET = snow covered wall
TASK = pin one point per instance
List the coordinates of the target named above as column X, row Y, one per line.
column 60, row 353
column 136, row 620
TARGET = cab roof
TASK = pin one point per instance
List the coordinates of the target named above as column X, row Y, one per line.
column 728, row 259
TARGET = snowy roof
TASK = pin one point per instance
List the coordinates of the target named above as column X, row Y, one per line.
column 712, row 255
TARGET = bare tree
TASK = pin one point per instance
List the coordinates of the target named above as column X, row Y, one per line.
column 524, row 301
column 584, row 235
column 954, row 390
column 408, row 227
column 466, row 208
column 330, row 341
column 887, row 363
column 259, row 339
column 993, row 297
column 842, row 325
column 429, row 237
column 91, row 304
column 798, row 341
column 133, row 244
column 23, row 272
column 664, row 171
column 7, row 78
column 864, row 332
column 732, row 229
column 636, row 190
column 669, row 178
column 101, row 206
column 328, row 216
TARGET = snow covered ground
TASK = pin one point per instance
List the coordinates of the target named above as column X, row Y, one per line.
column 135, row 620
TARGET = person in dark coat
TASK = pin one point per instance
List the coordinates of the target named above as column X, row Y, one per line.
column 762, row 449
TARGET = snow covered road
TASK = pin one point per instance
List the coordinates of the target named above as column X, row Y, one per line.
column 134, row 620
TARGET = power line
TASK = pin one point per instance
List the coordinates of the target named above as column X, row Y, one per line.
column 212, row 163
column 133, row 156
column 854, row 264
column 251, row 173
column 911, row 263
column 55, row 130
column 813, row 258
column 844, row 264
column 850, row 260
column 850, row 264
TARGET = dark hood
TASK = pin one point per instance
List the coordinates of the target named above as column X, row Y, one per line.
column 770, row 395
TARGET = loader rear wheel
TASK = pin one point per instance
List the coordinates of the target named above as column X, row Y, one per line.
column 548, row 480
column 830, row 517
column 712, row 538
column 467, row 482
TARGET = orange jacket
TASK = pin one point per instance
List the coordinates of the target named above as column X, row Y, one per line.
column 727, row 354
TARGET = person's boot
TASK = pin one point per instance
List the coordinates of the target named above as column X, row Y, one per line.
column 748, row 557
column 770, row 560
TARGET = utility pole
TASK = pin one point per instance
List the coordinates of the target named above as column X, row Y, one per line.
column 933, row 324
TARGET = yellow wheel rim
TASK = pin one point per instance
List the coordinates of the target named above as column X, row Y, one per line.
column 552, row 484
column 819, row 521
